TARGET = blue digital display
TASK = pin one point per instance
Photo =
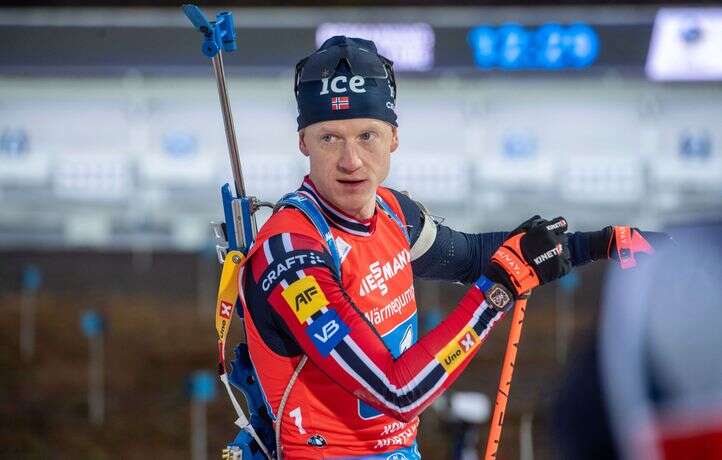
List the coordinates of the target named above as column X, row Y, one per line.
column 513, row 45
column 549, row 42
column 548, row 47
column 584, row 46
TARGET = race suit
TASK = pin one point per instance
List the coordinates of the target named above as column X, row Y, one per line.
column 367, row 376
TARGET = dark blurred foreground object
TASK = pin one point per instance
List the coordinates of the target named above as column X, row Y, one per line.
column 461, row 414
column 650, row 386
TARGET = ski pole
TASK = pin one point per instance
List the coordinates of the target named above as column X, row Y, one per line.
column 507, row 370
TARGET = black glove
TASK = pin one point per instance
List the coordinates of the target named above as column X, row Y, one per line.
column 535, row 253
column 625, row 244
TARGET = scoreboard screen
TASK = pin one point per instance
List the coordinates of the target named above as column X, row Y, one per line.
column 415, row 47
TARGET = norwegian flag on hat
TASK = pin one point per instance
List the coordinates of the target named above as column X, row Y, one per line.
column 340, row 103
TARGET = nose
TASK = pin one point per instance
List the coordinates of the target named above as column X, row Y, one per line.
column 349, row 161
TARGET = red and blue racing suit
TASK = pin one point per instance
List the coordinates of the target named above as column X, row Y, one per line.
column 367, row 376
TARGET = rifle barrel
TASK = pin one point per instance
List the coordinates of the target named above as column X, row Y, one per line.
column 228, row 123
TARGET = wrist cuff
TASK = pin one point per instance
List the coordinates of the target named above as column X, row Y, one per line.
column 599, row 243
column 496, row 295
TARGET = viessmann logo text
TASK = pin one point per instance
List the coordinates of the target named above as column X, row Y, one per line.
column 379, row 274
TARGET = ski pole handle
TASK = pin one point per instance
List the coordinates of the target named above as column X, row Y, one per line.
column 507, row 371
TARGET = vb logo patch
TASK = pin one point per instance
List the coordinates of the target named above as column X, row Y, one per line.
column 327, row 331
column 305, row 298
column 458, row 349
column 225, row 310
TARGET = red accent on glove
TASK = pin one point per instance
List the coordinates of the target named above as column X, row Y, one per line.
column 629, row 241
column 510, row 258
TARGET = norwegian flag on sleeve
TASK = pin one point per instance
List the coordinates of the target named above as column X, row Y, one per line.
column 340, row 103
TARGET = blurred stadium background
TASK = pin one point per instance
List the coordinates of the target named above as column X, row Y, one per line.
column 112, row 152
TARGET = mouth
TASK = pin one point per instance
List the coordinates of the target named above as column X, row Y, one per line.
column 351, row 182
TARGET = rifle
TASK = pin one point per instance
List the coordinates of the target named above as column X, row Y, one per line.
column 234, row 238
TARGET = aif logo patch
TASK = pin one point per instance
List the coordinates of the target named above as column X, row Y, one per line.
column 327, row 331
column 305, row 298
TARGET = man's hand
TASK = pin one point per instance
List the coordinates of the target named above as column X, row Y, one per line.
column 624, row 244
column 535, row 253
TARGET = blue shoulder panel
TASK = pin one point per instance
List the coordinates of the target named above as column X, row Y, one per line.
column 390, row 212
column 314, row 214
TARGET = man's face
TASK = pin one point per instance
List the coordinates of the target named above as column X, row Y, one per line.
column 349, row 159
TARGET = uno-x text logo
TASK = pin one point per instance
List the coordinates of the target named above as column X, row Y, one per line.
column 467, row 342
column 457, row 350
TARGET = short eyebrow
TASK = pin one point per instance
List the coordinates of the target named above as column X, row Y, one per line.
column 330, row 131
column 372, row 127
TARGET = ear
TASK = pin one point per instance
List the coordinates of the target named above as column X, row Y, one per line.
column 302, row 143
column 394, row 138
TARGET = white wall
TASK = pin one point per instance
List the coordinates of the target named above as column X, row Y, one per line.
column 598, row 150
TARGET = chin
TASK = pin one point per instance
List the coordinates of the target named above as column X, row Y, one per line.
column 352, row 205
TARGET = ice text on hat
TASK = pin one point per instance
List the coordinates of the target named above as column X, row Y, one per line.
column 355, row 84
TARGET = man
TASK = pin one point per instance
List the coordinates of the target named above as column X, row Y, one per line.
column 328, row 287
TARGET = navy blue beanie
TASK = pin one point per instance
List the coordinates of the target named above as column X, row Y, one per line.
column 345, row 78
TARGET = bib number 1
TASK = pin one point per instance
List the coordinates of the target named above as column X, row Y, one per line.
column 297, row 419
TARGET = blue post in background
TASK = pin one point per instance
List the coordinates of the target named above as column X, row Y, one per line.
column 31, row 281
column 202, row 390
column 566, row 286
column 93, row 327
